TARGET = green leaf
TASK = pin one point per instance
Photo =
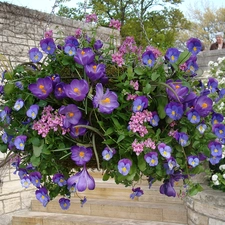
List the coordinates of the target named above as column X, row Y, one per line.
column 105, row 177
column 3, row 148
column 184, row 56
column 120, row 138
column 109, row 131
column 154, row 76
column 195, row 189
column 147, row 88
column 139, row 70
column 35, row 160
column 35, row 141
column 116, row 122
column 38, row 149
column 45, row 150
column 141, row 163
column 8, row 89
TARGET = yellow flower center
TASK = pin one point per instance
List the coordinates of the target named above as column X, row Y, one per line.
column 124, row 169
column 173, row 113
column 81, row 154
column 177, row 86
column 42, row 88
column 70, row 114
column 172, row 57
column 194, row 117
column 149, row 61
column 152, row 161
column 48, row 48
column 105, row 101
column 195, row 49
column 82, row 52
column 215, row 122
column 94, row 68
column 77, row 90
column 204, row 105
column 221, row 131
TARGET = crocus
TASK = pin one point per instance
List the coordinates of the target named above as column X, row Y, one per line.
column 167, row 189
column 203, row 105
column 124, row 166
column 72, row 113
column 95, row 71
column 81, row 155
column 107, row 102
column 151, row 158
column 219, row 130
column 76, row 131
column 35, row 55
column 148, row 58
column 172, row 54
column 33, row 111
column 64, row 203
column 212, row 84
column 42, row 88
column 137, row 192
column 42, row 196
column 174, row 110
column 194, row 45
column 48, row 45
column 18, row 105
column 193, row 161
column 77, row 89
column 84, row 56
column 98, row 44
column 59, row 179
column 107, row 153
column 19, row 142
column 165, row 150
column 83, row 180
column 59, row 90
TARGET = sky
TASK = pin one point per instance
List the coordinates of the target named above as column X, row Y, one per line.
column 46, row 5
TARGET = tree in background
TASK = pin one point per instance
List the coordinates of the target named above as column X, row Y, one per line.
column 154, row 22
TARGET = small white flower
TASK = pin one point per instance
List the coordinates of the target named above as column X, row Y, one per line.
column 215, row 64
column 216, row 182
column 224, row 176
column 210, row 63
column 222, row 167
column 214, row 177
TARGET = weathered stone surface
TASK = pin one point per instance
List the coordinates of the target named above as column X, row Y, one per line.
column 12, row 204
column 197, row 218
column 216, row 222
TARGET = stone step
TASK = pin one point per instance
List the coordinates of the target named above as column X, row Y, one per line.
column 105, row 190
column 37, row 218
column 148, row 211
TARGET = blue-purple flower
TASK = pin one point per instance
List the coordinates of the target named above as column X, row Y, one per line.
column 33, row 111
column 83, row 180
column 151, row 158
column 193, row 160
column 76, row 131
column 165, row 150
column 148, row 58
column 215, row 148
column 203, row 105
column 70, row 49
column 98, row 44
column 107, row 102
column 71, row 40
column 81, row 155
column 154, row 120
column 167, row 189
column 182, row 138
column 194, row 45
column 107, row 153
column 219, row 130
column 48, row 45
column 172, row 163
column 42, row 88
column 172, row 54
column 59, row 90
column 124, row 166
column 35, row 55
column 42, row 196
column 77, row 89
column 18, row 104
column 217, row 118
column 174, row 110
column 19, row 142
column 72, row 113
column 64, row 203
column 140, row 103
column 215, row 159
column 95, row 71
column 202, row 127
column 137, row 192
column 84, row 56
column 59, row 179
column 25, row 181
column 19, row 84
column 212, row 84
column 193, row 116
column 35, row 178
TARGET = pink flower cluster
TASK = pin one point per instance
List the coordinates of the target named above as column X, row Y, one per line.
column 172, row 133
column 139, row 147
column 49, row 34
column 78, row 33
column 155, row 51
column 118, row 58
column 115, row 23
column 129, row 46
column 131, row 96
column 49, row 121
column 134, row 84
column 91, row 18
column 137, row 120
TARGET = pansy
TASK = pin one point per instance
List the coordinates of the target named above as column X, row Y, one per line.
column 217, row 118
column 193, row 116
column 194, row 45
column 174, row 110
column 81, row 155
column 151, row 158
column 182, row 138
column 48, row 45
column 35, row 55
column 72, row 41
column 212, row 84
column 107, row 153
column 35, row 178
column 19, row 142
column 165, row 150
column 64, row 203
column 219, row 130
column 98, row 44
column 25, row 181
column 70, row 49
column 201, row 128
column 215, row 148
column 172, row 54
column 154, row 121
column 18, row 104
column 33, row 111
column 148, row 58
column 124, row 166
column 105, row 102
column 59, row 179
column 140, row 103
column 42, row 196
column 137, row 192
column 193, row 161
column 167, row 189
column 172, row 163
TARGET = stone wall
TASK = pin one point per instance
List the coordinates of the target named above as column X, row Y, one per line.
column 22, row 29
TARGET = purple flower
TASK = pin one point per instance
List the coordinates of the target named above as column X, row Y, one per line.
column 19, row 84
column 71, row 188
column 71, row 40
column 203, row 105
column 182, row 138
column 72, row 113
column 33, row 111
column 35, row 55
column 107, row 102
column 165, row 150
column 82, row 180
column 192, row 65
column 81, row 155
column 174, row 110
column 22, row 172
column 59, row 179
column 48, row 45
column 42, row 88
column 215, row 159
column 19, row 142
column 77, row 89
column 124, row 166
column 201, row 128
column 193, row 116
column 172, row 163
column 98, row 44
column 215, row 148
column 193, row 161
column 5, row 137
column 60, row 90
column 154, row 121
column 137, row 192
column 148, row 58
column 70, row 49
column 42, row 196
column 219, row 130
column 64, row 203
column 5, row 114
column 140, row 103
column 18, row 105
column 172, row 54
column 84, row 56
column 194, row 45
column 25, row 181
column 78, row 131
column 55, row 79
column 216, row 118
column 95, row 71
column 151, row 158
column 83, row 201
column 167, row 189
column 107, row 153
column 212, row 84
column 35, row 178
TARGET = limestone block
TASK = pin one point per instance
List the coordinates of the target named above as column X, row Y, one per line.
column 196, row 218
column 216, row 222
column 26, row 197
column 12, row 204
column 1, row 208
